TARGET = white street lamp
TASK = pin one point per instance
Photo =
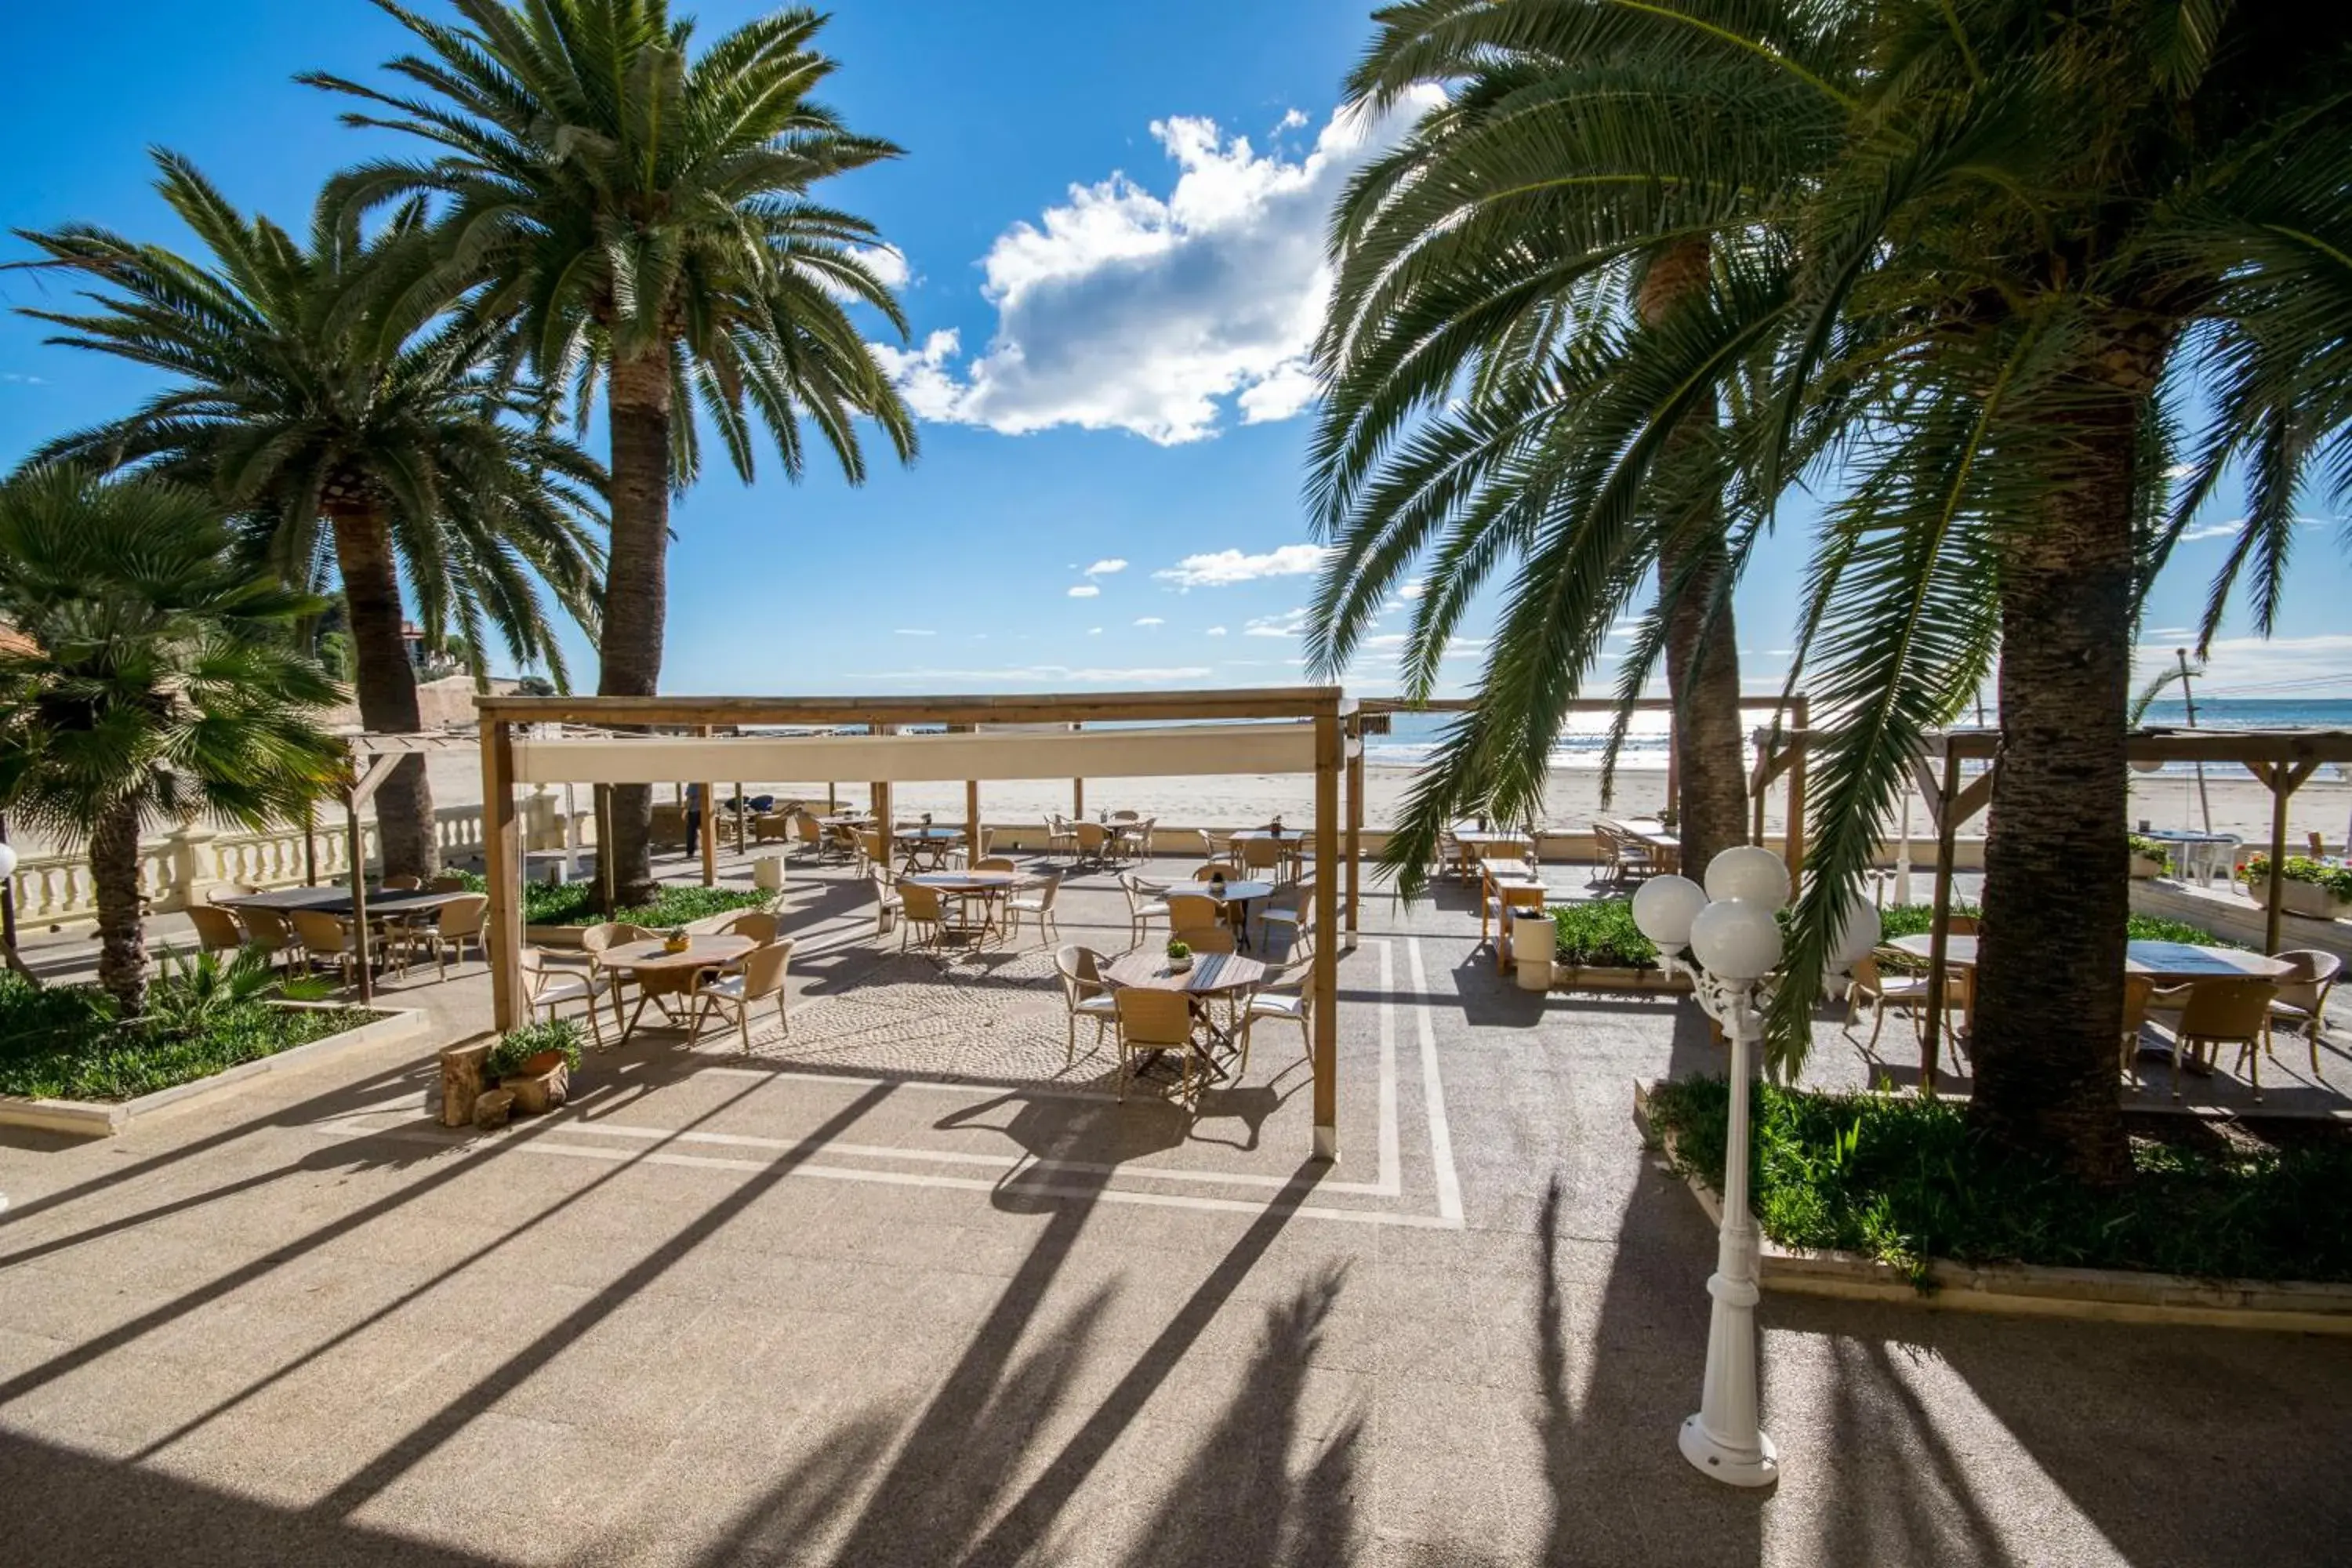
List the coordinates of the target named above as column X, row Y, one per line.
column 1728, row 928
column 7, row 861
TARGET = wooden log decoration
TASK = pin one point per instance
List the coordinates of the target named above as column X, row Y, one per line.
column 544, row 1083
column 461, row 1081
column 492, row 1110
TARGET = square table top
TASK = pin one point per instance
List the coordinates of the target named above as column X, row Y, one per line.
column 337, row 901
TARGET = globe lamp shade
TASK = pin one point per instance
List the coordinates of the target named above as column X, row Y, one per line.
column 1751, row 873
column 1734, row 938
column 7, row 861
column 1663, row 907
column 1857, row 934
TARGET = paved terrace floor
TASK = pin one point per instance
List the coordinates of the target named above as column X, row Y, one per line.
column 906, row 1289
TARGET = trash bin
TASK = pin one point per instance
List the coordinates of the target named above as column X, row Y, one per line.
column 1533, row 939
column 767, row 873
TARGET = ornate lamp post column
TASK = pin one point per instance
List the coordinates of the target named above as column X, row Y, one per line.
column 1733, row 946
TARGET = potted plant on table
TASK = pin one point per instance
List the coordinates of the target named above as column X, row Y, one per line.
column 535, row 1063
column 675, row 940
column 1179, row 957
column 2307, row 886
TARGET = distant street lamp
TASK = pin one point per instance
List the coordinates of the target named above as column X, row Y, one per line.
column 1733, row 942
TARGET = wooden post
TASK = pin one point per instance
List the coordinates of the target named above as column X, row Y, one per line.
column 1328, row 760
column 740, row 817
column 501, row 860
column 972, row 850
column 1947, row 824
column 2284, row 779
column 1801, row 717
column 1674, row 771
column 359, row 895
column 885, row 827
column 309, row 845
column 709, row 826
column 1077, row 790
column 1355, row 851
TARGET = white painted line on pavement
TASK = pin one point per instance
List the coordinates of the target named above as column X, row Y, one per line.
column 1441, row 1135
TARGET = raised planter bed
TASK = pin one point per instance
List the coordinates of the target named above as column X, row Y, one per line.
column 105, row 1118
column 2311, row 900
column 2033, row 1290
column 1589, row 977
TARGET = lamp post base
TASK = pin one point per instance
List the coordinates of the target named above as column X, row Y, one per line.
column 1731, row 1466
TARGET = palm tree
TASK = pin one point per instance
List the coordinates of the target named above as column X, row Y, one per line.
column 640, row 214
column 151, row 680
column 1975, row 253
column 318, row 389
column 1532, row 284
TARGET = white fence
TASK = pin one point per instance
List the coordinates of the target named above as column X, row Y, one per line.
column 181, row 869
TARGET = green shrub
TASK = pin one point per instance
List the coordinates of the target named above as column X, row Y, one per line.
column 1917, row 920
column 574, row 903
column 2336, row 880
column 69, row 1042
column 516, row 1046
column 1601, row 935
column 2150, row 849
column 1904, row 1180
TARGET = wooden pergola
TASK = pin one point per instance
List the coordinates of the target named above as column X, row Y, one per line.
column 1164, row 734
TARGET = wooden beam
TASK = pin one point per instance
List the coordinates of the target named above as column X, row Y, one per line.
column 1241, row 702
column 1355, row 849
column 1800, row 712
column 1077, row 791
column 371, row 777
column 972, row 850
column 356, row 846
column 1326, row 980
column 502, row 861
column 1940, row 939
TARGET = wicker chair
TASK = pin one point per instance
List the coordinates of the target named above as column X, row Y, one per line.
column 1142, row 909
column 1151, row 1020
column 761, row 975
column 2302, row 1000
column 1084, row 992
column 216, row 929
column 1037, row 903
column 2215, row 1013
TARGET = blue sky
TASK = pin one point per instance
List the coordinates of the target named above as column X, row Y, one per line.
column 1110, row 216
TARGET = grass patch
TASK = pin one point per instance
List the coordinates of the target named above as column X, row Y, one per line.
column 67, row 1041
column 1903, row 1180
column 1601, row 935
column 574, row 903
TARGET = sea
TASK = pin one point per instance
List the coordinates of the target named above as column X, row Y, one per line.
column 1412, row 736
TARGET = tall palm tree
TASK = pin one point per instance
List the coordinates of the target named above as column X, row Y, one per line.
column 151, row 680
column 318, row 390
column 640, row 213
column 2039, row 227
column 1538, row 324
column 1972, row 252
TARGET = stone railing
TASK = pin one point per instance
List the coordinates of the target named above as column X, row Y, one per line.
column 181, row 868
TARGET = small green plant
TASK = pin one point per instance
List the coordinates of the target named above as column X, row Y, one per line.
column 190, row 991
column 516, row 1046
column 2336, row 880
column 1177, row 950
column 2149, row 848
column 1904, row 1180
column 574, row 903
column 1601, row 935
column 71, row 1042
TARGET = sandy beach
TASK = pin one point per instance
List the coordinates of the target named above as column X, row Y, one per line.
column 2238, row 804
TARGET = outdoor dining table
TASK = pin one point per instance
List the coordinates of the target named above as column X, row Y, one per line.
column 1239, row 893
column 1211, row 974
column 383, row 903
column 2167, row 963
column 927, row 844
column 1291, row 841
column 2191, row 851
column 965, row 885
column 662, row 974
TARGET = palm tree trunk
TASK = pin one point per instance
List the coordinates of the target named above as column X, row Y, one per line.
column 1702, row 653
column 386, row 685
column 2057, row 903
column 635, row 589
column 121, row 933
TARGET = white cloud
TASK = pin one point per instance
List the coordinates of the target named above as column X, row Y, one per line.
column 1086, row 590
column 1149, row 620
column 1106, row 567
column 1122, row 309
column 913, row 632
column 1094, row 631
column 1214, row 632
column 1223, row 567
column 1291, row 120
column 2316, row 666
column 1287, row 624
column 1046, row 674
